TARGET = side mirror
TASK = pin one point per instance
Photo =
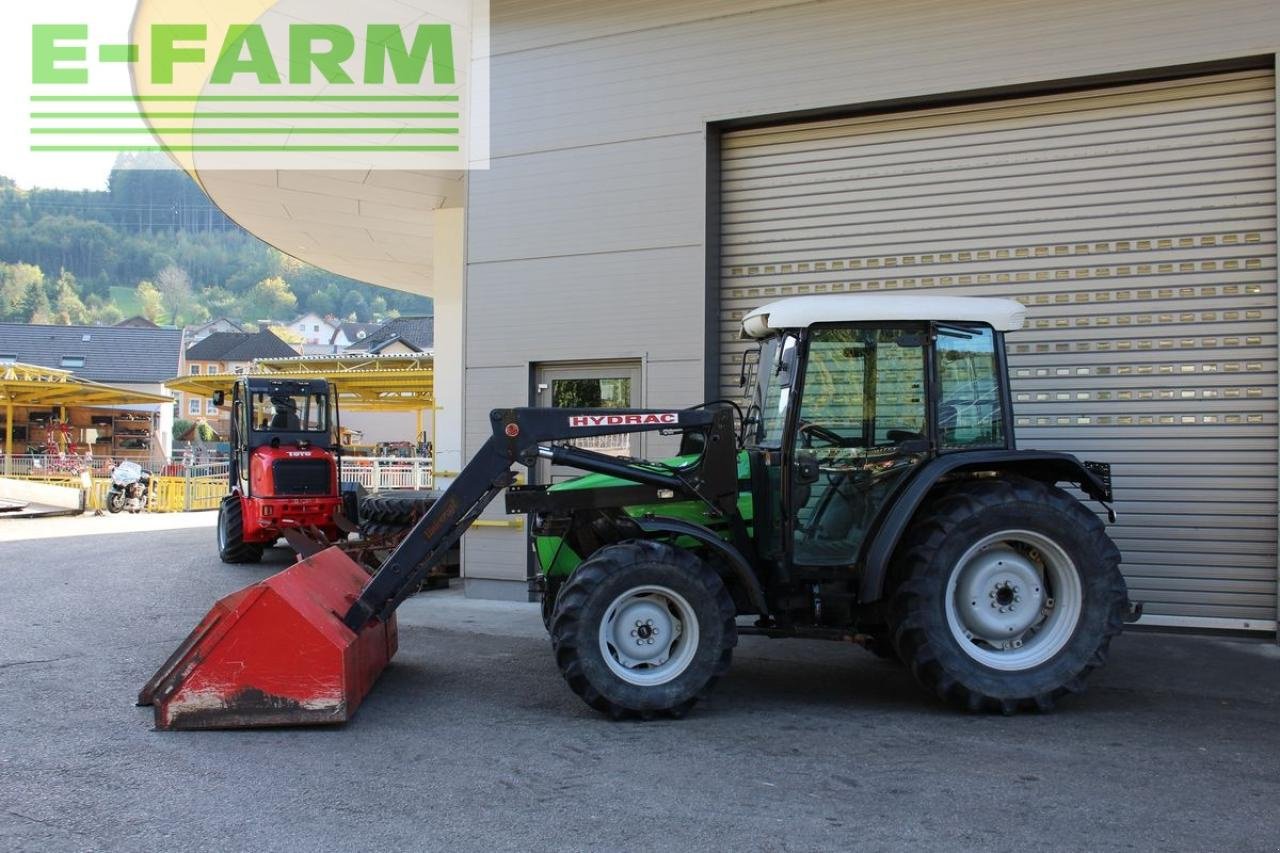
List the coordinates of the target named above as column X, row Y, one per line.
column 219, row 398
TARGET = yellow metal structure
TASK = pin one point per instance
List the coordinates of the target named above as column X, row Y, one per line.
column 168, row 494
column 31, row 385
column 364, row 382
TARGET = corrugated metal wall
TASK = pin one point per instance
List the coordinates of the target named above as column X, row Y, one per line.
column 1137, row 223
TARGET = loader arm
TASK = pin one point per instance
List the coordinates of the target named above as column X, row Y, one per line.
column 519, row 437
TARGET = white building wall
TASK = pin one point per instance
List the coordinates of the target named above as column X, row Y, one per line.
column 586, row 237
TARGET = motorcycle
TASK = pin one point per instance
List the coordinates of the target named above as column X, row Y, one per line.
column 130, row 488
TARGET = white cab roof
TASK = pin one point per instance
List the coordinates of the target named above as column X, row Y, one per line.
column 1003, row 315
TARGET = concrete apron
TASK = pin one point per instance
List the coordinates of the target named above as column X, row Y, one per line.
column 39, row 499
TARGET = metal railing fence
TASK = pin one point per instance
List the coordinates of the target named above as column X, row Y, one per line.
column 187, row 488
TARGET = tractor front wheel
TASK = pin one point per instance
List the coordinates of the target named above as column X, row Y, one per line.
column 231, row 545
column 643, row 628
column 1010, row 593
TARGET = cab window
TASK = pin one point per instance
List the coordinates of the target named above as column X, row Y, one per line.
column 861, row 429
column 285, row 412
column 970, row 411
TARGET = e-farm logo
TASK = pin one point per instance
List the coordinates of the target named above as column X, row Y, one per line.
column 274, row 92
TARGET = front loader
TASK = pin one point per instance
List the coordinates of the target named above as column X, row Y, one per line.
column 284, row 469
column 870, row 491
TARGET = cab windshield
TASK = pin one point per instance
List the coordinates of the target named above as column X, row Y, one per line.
column 283, row 412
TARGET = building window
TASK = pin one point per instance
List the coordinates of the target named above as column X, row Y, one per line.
column 195, row 370
column 315, row 328
column 210, row 408
column 73, row 361
column 193, row 406
column 177, row 403
column 212, row 370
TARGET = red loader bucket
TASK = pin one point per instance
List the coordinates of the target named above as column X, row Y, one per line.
column 275, row 654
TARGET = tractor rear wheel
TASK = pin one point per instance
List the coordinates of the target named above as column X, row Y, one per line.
column 643, row 628
column 1009, row 597
column 385, row 514
column 231, row 545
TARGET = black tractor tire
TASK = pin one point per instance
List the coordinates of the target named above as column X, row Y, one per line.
column 385, row 514
column 1080, row 617
column 601, row 586
column 115, row 501
column 231, row 545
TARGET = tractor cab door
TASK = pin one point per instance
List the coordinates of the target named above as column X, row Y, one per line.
column 239, row 438
column 860, row 429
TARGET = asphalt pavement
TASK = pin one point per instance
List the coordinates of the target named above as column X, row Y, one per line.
column 471, row 741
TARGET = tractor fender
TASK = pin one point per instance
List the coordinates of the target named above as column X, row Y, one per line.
column 742, row 573
column 1044, row 465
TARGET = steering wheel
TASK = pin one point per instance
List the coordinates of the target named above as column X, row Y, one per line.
column 808, row 431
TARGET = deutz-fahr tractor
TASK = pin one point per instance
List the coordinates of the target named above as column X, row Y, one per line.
column 869, row 490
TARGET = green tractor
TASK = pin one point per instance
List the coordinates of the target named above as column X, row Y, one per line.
column 868, row 490
column 879, row 498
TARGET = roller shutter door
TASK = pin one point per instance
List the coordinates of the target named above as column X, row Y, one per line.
column 1136, row 223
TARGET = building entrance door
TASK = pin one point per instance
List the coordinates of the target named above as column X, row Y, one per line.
column 591, row 385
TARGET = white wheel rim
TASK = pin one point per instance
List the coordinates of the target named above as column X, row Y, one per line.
column 648, row 635
column 1013, row 600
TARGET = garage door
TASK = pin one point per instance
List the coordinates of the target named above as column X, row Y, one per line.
column 1138, row 226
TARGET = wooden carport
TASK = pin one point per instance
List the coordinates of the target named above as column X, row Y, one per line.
column 31, row 385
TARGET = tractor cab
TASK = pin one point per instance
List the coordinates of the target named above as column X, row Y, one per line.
column 276, row 412
column 845, row 405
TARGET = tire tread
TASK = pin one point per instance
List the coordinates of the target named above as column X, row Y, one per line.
column 949, row 511
column 573, row 600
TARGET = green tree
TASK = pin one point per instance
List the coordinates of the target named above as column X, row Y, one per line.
column 149, row 301
column 106, row 315
column 174, row 286
column 354, row 307
column 219, row 301
column 15, row 280
column 35, row 304
column 69, row 310
column 321, row 303
column 270, row 299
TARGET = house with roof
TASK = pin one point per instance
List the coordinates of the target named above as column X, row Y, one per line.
column 401, row 336
column 137, row 321
column 314, row 330
column 131, row 357
column 195, row 334
column 225, row 352
column 350, row 333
